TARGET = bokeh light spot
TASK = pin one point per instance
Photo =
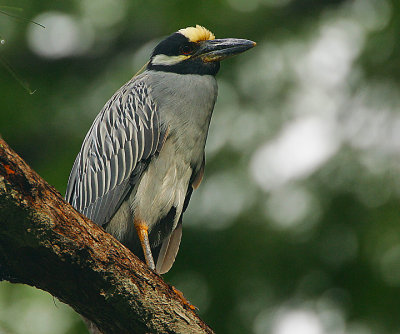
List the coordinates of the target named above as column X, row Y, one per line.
column 64, row 36
column 289, row 206
column 299, row 150
column 297, row 321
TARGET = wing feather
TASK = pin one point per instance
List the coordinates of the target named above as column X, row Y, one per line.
column 129, row 158
column 121, row 167
column 140, row 139
column 94, row 184
column 114, row 170
column 122, row 138
column 107, row 178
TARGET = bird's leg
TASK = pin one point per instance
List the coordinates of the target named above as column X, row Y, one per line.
column 142, row 231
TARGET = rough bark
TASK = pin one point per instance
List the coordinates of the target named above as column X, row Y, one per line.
column 45, row 243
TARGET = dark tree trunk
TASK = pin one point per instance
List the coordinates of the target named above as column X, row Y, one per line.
column 45, row 243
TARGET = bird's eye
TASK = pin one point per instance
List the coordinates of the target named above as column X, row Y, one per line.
column 187, row 49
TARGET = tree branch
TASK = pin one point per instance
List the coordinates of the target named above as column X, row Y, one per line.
column 45, row 243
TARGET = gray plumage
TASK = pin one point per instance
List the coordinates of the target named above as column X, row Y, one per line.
column 144, row 153
column 124, row 134
column 141, row 156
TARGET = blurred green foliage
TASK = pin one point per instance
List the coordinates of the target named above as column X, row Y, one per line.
column 295, row 228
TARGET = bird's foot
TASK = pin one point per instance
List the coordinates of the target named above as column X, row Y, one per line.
column 142, row 231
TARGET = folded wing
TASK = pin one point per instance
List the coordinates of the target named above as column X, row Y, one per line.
column 119, row 145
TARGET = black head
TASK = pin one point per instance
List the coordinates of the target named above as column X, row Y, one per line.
column 194, row 50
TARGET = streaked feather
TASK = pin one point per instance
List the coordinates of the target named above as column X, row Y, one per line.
column 124, row 134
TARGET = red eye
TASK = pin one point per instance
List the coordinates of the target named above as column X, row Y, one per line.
column 186, row 49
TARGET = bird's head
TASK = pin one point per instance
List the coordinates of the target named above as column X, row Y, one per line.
column 194, row 50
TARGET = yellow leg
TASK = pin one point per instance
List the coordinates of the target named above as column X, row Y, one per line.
column 142, row 231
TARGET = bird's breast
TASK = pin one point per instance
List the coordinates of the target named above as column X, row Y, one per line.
column 184, row 104
column 163, row 185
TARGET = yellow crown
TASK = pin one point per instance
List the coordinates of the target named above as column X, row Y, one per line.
column 197, row 34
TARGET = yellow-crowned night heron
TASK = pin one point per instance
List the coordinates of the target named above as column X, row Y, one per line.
column 144, row 153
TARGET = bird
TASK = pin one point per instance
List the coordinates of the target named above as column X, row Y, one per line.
column 145, row 152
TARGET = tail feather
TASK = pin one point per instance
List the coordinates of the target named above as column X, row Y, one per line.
column 169, row 250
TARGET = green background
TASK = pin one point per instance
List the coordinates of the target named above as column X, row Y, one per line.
column 295, row 228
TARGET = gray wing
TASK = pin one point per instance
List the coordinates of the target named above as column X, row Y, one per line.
column 116, row 150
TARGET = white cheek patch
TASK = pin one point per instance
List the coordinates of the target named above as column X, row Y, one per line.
column 168, row 60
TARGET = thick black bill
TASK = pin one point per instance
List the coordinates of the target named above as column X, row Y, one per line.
column 219, row 49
